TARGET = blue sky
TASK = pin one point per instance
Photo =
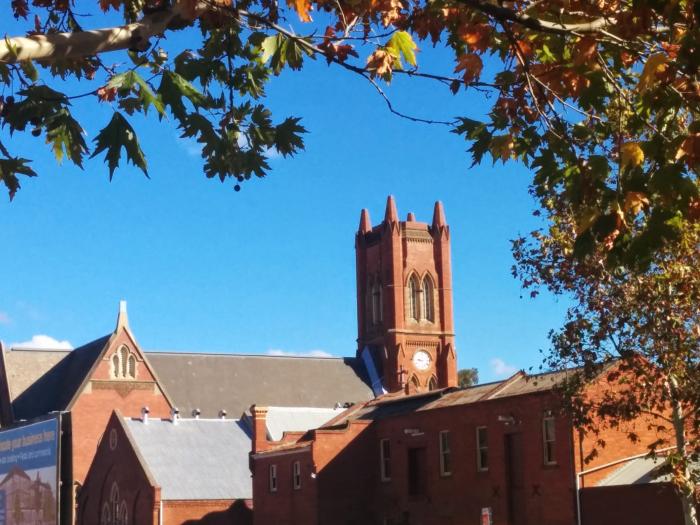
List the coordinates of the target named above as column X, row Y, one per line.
column 270, row 268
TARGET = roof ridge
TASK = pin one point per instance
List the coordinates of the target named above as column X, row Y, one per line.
column 228, row 354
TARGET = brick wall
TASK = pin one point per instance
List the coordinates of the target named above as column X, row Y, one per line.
column 207, row 512
column 646, row 504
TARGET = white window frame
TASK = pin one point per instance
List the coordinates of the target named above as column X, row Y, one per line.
column 296, row 475
column 549, row 455
column 385, row 460
column 480, row 447
column 445, row 451
column 273, row 478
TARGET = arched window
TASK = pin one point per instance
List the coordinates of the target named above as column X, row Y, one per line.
column 124, row 357
column 433, row 384
column 132, row 366
column 115, row 365
column 413, row 385
column 413, row 299
column 428, row 299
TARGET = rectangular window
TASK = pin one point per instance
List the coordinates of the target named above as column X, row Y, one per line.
column 549, row 440
column 445, row 464
column 482, row 448
column 296, row 475
column 385, row 459
column 417, row 472
column 273, row 478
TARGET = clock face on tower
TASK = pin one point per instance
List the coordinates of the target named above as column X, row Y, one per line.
column 421, row 360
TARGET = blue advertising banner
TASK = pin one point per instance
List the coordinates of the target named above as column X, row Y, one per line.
column 29, row 474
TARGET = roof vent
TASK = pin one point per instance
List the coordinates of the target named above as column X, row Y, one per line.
column 222, row 414
column 175, row 415
column 144, row 414
column 196, row 412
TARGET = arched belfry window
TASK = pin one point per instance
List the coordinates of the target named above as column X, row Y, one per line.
column 123, row 364
column 413, row 297
column 433, row 384
column 377, row 302
column 413, row 385
column 428, row 299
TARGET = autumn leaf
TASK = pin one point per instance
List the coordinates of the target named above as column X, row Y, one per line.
column 690, row 150
column 302, row 7
column 114, row 4
column 476, row 36
column 631, row 155
column 635, row 201
column 472, row 65
column 655, row 64
column 380, row 63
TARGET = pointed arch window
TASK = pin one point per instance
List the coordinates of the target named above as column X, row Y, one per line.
column 433, row 384
column 123, row 364
column 413, row 298
column 413, row 386
column 428, row 299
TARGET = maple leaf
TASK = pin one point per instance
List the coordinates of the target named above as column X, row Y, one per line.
column 476, row 36
column 631, row 155
column 472, row 65
column 380, row 63
column 114, row 136
column 402, row 43
column 585, row 50
column 690, row 150
column 655, row 65
column 635, row 201
column 114, row 4
column 20, row 8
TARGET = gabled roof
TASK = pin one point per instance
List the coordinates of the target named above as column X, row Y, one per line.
column 211, row 382
column 56, row 387
column 195, row 459
column 296, row 419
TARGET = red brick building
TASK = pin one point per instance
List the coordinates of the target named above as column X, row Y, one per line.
column 499, row 453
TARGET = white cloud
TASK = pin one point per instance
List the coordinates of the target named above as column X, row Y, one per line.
column 43, row 342
column 308, row 353
column 4, row 318
column 500, row 368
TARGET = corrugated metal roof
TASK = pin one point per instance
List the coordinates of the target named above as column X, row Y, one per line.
column 296, row 419
column 195, row 458
column 639, row 471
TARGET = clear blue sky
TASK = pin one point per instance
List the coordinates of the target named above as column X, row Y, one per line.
column 204, row 268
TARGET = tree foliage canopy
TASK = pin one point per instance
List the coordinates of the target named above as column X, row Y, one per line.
column 599, row 99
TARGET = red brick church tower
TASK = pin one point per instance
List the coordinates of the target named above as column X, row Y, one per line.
column 404, row 302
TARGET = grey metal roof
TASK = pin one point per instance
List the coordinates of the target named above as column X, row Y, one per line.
column 211, row 382
column 639, row 471
column 195, row 458
column 53, row 389
column 296, row 419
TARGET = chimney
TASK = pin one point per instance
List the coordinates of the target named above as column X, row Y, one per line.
column 259, row 428
column 411, row 217
column 222, row 414
column 439, row 216
column 196, row 412
column 144, row 414
column 174, row 415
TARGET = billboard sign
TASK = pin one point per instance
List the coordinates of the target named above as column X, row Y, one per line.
column 29, row 473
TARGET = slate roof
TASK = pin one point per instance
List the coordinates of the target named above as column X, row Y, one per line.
column 195, row 459
column 211, row 382
column 55, row 382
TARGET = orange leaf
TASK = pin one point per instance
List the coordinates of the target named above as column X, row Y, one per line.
column 380, row 63
column 302, row 7
column 635, row 201
column 690, row 150
column 476, row 36
column 472, row 65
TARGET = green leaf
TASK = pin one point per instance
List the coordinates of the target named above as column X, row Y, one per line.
column 66, row 136
column 116, row 135
column 288, row 136
column 129, row 81
column 29, row 70
column 10, row 168
column 402, row 42
column 173, row 87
